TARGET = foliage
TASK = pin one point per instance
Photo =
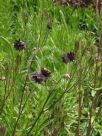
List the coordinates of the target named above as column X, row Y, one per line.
column 69, row 101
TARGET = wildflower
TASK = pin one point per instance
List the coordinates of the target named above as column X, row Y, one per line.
column 45, row 72
column 41, row 76
column 68, row 57
column 19, row 45
column 38, row 77
column 66, row 76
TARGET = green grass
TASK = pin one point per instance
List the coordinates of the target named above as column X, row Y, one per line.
column 54, row 107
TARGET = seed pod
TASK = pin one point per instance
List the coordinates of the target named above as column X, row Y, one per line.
column 3, row 78
column 66, row 76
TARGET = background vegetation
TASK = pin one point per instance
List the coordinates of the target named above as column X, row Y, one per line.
column 69, row 101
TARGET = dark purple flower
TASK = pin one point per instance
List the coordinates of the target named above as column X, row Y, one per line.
column 38, row 77
column 68, row 57
column 41, row 76
column 19, row 45
column 45, row 72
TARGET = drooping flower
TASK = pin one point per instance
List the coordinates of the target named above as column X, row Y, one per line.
column 45, row 72
column 41, row 76
column 19, row 45
column 68, row 57
column 38, row 77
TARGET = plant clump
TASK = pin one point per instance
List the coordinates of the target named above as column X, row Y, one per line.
column 41, row 76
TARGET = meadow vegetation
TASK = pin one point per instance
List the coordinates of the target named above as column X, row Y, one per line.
column 50, row 69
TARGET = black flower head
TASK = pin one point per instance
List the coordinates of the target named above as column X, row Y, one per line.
column 41, row 76
column 45, row 72
column 38, row 77
column 19, row 45
column 68, row 57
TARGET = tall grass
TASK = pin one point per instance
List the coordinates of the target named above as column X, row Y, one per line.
column 69, row 102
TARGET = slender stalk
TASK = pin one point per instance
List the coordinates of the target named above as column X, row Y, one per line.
column 20, row 107
column 3, row 102
column 11, row 88
column 80, row 104
column 39, row 115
